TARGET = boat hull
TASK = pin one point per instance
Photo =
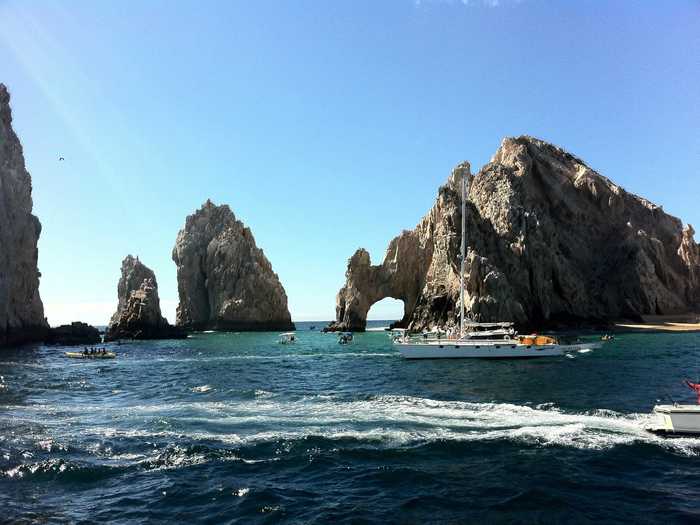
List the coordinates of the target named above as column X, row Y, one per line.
column 459, row 350
column 80, row 355
column 676, row 420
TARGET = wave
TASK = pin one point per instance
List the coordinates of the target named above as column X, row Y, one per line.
column 177, row 435
column 385, row 421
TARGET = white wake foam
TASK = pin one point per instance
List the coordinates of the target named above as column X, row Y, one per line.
column 384, row 421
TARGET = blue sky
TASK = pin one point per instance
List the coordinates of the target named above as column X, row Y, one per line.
column 326, row 126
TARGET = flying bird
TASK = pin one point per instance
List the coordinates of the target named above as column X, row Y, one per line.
column 61, row 158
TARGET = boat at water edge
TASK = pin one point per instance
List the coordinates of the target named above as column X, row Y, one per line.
column 677, row 420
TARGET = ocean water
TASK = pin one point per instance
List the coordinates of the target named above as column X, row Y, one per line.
column 233, row 427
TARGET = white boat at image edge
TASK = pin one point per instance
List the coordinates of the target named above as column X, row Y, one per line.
column 481, row 340
column 676, row 420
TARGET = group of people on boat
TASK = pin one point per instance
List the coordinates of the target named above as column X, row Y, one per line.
column 94, row 351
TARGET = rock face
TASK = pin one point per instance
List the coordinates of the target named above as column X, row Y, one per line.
column 21, row 310
column 550, row 243
column 225, row 282
column 76, row 333
column 138, row 311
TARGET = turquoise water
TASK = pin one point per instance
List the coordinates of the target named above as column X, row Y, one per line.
column 233, row 427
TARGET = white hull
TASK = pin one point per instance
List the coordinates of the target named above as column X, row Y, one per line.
column 485, row 350
column 676, row 419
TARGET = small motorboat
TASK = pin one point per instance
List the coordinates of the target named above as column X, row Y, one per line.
column 677, row 420
column 607, row 337
column 97, row 355
column 287, row 338
column 345, row 338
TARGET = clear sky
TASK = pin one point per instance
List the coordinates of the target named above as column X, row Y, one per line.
column 326, row 126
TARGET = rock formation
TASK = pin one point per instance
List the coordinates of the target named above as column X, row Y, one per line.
column 73, row 334
column 551, row 243
column 21, row 311
column 138, row 311
column 225, row 282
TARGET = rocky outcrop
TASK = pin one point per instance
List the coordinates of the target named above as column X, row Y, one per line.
column 21, row 310
column 224, row 280
column 138, row 310
column 551, row 243
column 73, row 334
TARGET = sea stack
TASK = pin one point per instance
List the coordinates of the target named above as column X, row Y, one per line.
column 21, row 310
column 224, row 280
column 138, row 310
column 551, row 243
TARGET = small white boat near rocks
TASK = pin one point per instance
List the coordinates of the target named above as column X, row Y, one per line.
column 287, row 338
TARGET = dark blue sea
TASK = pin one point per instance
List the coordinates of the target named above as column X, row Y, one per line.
column 235, row 428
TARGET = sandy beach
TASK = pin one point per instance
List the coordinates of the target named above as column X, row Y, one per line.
column 664, row 323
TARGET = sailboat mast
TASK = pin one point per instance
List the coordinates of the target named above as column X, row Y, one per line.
column 464, row 245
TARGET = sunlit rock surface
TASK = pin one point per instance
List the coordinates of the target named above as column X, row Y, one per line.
column 551, row 243
column 138, row 313
column 21, row 310
column 225, row 282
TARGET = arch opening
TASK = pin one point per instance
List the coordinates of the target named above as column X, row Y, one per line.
column 386, row 312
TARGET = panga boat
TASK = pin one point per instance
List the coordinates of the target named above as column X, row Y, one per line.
column 287, row 338
column 81, row 355
column 480, row 340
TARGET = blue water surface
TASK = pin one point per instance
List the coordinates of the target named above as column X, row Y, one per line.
column 234, row 427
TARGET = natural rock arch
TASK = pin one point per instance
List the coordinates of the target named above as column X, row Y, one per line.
column 551, row 243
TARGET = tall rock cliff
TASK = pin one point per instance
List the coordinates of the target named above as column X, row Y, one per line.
column 551, row 243
column 21, row 311
column 225, row 282
column 138, row 310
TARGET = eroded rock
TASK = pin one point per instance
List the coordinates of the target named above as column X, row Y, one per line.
column 74, row 334
column 138, row 313
column 225, row 282
column 551, row 242
column 21, row 310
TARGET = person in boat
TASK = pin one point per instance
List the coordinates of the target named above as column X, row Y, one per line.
column 695, row 387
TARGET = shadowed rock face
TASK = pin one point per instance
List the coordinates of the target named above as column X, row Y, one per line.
column 73, row 334
column 21, row 310
column 551, row 243
column 138, row 313
column 225, row 282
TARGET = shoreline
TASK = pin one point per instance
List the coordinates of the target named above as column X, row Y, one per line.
column 662, row 323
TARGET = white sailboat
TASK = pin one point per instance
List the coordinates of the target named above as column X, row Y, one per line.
column 481, row 340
